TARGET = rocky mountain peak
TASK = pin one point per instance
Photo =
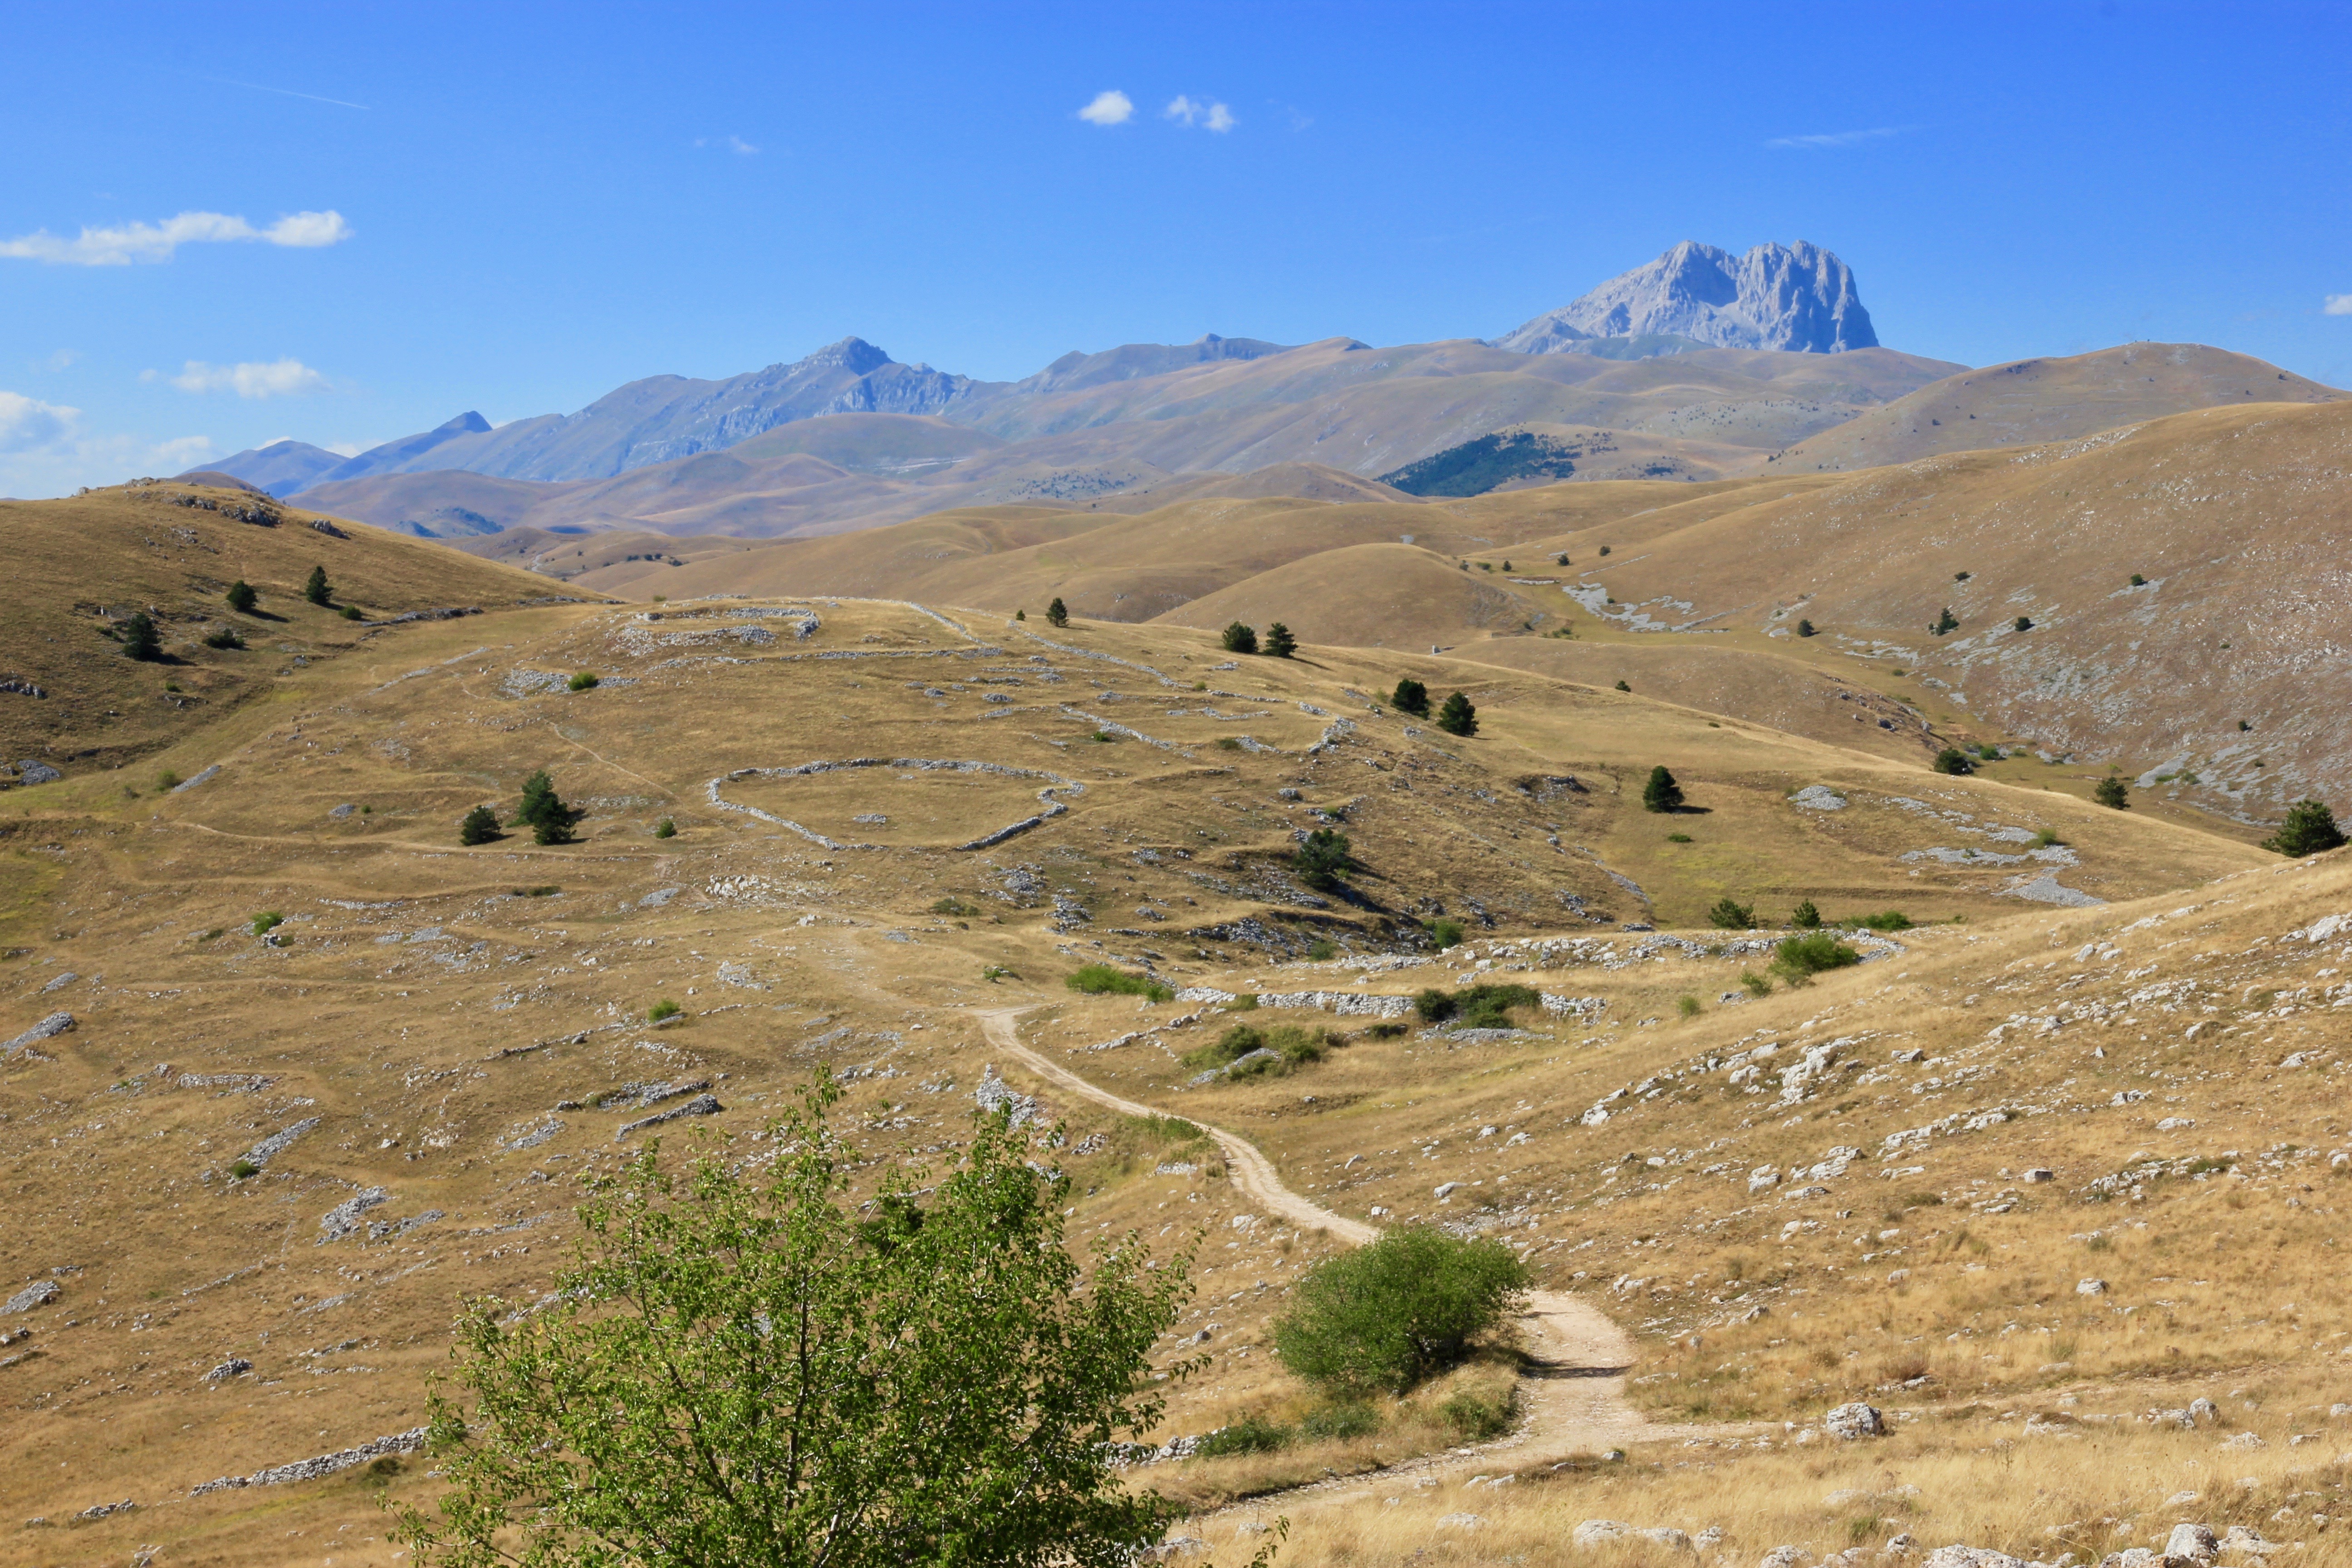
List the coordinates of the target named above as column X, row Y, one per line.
column 1797, row 298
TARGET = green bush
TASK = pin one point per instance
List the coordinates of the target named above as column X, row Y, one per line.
column 1805, row 916
column 1322, row 857
column 1888, row 919
column 1350, row 1418
column 1689, row 1006
column 1322, row 950
column 2024, row 623
column 1623, row 687
column 1729, row 914
column 1055, row 615
column 1486, row 1005
column 2137, row 581
column 1445, row 931
column 1393, row 1314
column 2047, row 837
column 1755, row 985
column 243, row 1168
column 1804, row 628
column 1476, row 1416
column 2309, row 829
column 583, row 681
column 1383, row 1031
column 1101, row 979
column 1410, row 697
column 1293, row 1045
column 1952, row 760
column 1678, row 839
column 1434, row 1006
column 951, row 905
column 480, row 825
column 666, row 828
column 1800, row 958
column 1661, row 794
column 241, row 597
column 664, row 1008
column 1458, row 716
column 351, row 613
column 315, row 588
column 268, row 921
column 1252, row 1433
column 225, row 637
column 1239, row 638
column 2111, row 791
column 1946, row 622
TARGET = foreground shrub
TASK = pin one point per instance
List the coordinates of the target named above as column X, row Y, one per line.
column 952, row 1382
column 1393, row 1314
column 1101, row 980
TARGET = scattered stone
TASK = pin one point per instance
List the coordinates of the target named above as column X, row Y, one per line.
column 2241, row 1539
column 2091, row 1288
column 408, row 1442
column 1173, row 1547
column 700, row 1105
column 1972, row 1557
column 1855, row 1421
column 345, row 1218
column 1462, row 1521
column 1818, row 797
column 278, row 1142
column 1600, row 1531
column 995, row 1094
column 2204, row 1410
column 2243, row 1440
column 2193, row 1541
column 383, row 1229
column 30, row 772
column 39, row 1293
column 236, row 1367
column 48, row 1028
column 105, row 1509
column 206, row 776
column 1673, row 1540
column 1783, row 1557
column 2040, row 1174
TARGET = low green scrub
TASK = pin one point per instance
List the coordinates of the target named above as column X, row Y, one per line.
column 1102, row 980
column 1252, row 1433
column 1476, row 1416
column 1800, row 958
column 1891, row 920
column 1484, row 1005
column 1351, row 1418
column 1395, row 1313
column 1445, row 934
column 1292, row 1046
column 664, row 1008
column 268, row 921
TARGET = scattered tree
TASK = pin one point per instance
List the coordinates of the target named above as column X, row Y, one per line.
column 1410, row 697
column 666, row 828
column 1728, row 914
column 1239, row 638
column 1020, row 614
column 2137, row 581
column 1280, row 643
column 742, row 1368
column 1506, row 566
column 225, row 637
column 1323, row 857
column 1946, row 622
column 1623, row 687
column 2309, row 829
column 1393, row 1314
column 2112, row 792
column 1056, row 613
column 1805, row 916
column 140, row 639
column 1952, row 760
column 1962, row 576
column 1661, row 794
column 1604, row 549
column 315, row 587
column 481, row 826
column 1561, row 559
column 1800, row 958
column 1458, row 716
column 2025, row 623
column 1804, row 628
column 543, row 811
column 242, row 599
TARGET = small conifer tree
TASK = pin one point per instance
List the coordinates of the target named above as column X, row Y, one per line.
column 1323, row 857
column 1729, row 914
column 1020, row 614
column 1506, row 566
column 2025, row 623
column 543, row 811
column 1057, row 613
column 140, row 639
column 315, row 588
column 1410, row 697
column 1661, row 794
column 1805, row 917
column 1239, row 638
column 1946, row 622
column 1458, row 716
column 241, row 597
column 1804, row 628
column 1623, row 687
column 1952, row 760
column 2309, row 829
column 1280, row 643
column 481, row 826
column 1561, row 559
column 2112, row 792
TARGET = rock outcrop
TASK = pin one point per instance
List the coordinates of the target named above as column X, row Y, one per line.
column 1799, row 297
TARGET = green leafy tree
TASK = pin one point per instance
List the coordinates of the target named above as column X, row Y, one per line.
column 544, row 812
column 1323, row 857
column 1457, row 715
column 1946, row 622
column 1805, row 917
column 315, row 587
column 740, row 1370
column 1952, row 760
column 481, row 826
column 2309, row 829
column 141, row 640
column 1393, row 1314
column 1729, row 914
column 1280, row 643
column 2112, row 792
column 1057, row 614
column 1410, row 697
column 1239, row 638
column 1661, row 794
column 242, row 599
column 1804, row 628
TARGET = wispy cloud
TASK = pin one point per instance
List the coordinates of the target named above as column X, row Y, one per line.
column 282, row 92
column 1112, row 108
column 1188, row 110
column 278, row 378
column 735, row 145
column 2338, row 305
column 28, row 424
column 127, row 242
column 1837, row 138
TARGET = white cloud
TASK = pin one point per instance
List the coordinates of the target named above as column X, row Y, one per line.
column 2338, row 305
column 1837, row 138
column 1112, row 108
column 28, row 424
column 278, row 378
column 127, row 242
column 737, row 144
column 1188, row 110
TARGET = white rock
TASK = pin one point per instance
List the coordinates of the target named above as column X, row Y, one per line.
column 1972, row 1557
column 1600, row 1531
column 39, row 1293
column 1462, row 1521
column 1855, row 1420
column 2192, row 1541
column 1673, row 1540
column 2091, row 1288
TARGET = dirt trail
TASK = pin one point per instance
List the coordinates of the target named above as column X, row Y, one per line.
column 1574, row 1398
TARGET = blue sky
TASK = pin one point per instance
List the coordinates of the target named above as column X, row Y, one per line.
column 347, row 222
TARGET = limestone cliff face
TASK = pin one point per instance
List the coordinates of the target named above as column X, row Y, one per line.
column 1798, row 298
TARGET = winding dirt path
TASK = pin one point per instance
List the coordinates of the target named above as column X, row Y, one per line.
column 1575, row 1395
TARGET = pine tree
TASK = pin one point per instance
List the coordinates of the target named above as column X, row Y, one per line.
column 543, row 811
column 1410, row 697
column 1056, row 615
column 316, row 589
column 1323, row 857
column 2025, row 623
column 1946, row 622
column 2309, row 829
column 241, row 597
column 140, row 639
column 1730, row 915
column 2112, row 791
column 481, row 826
column 1561, row 559
column 1623, row 687
column 1661, row 794
column 1239, row 638
column 1458, row 716
column 1280, row 643
column 1805, row 917
column 1020, row 614
column 1804, row 628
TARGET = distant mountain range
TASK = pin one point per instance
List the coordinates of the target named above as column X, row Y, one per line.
column 1798, row 298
